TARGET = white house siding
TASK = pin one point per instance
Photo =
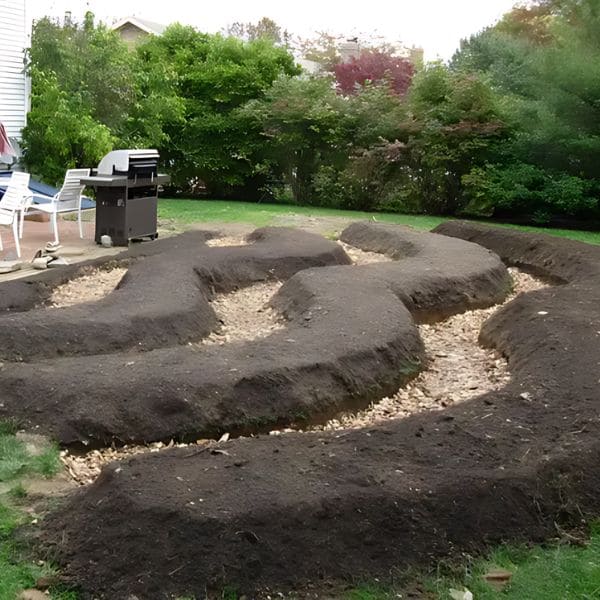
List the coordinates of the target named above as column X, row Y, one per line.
column 13, row 82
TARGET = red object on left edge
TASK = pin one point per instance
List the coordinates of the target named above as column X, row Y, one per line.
column 5, row 147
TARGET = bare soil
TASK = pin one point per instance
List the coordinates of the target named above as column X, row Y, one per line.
column 85, row 468
column 278, row 512
column 458, row 367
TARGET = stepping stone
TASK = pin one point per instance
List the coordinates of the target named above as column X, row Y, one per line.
column 9, row 266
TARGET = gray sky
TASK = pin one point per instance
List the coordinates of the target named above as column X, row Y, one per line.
column 436, row 25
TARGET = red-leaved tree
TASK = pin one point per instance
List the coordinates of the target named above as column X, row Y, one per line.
column 374, row 66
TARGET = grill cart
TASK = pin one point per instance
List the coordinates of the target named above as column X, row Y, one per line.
column 126, row 183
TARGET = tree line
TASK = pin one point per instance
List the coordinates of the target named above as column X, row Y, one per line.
column 509, row 128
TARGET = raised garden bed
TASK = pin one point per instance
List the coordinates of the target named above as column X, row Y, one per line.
column 278, row 511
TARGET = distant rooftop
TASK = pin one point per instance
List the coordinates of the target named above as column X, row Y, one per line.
column 143, row 24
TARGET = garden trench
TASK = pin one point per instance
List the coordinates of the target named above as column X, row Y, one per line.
column 383, row 496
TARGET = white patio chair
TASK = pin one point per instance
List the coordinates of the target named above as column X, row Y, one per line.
column 13, row 205
column 68, row 199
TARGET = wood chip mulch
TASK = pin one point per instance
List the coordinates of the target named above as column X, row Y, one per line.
column 93, row 285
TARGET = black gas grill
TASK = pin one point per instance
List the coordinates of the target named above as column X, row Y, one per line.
column 126, row 183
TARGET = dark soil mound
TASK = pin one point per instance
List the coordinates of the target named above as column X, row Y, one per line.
column 335, row 354
column 162, row 300
column 24, row 294
column 438, row 276
column 280, row 511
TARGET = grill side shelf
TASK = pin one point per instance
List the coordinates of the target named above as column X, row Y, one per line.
column 122, row 181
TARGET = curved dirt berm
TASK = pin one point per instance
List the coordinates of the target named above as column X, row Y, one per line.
column 349, row 340
column 283, row 511
column 20, row 295
column 439, row 277
column 163, row 298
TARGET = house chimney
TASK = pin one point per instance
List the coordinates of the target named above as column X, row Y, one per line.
column 349, row 49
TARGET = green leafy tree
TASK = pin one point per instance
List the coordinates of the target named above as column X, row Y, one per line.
column 82, row 88
column 323, row 49
column 60, row 133
column 371, row 173
column 303, row 125
column 90, row 62
column 544, row 60
column 205, row 79
column 456, row 125
column 264, row 29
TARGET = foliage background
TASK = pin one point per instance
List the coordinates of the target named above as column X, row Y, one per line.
column 510, row 128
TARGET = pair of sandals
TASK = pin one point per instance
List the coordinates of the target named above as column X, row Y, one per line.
column 44, row 258
column 48, row 257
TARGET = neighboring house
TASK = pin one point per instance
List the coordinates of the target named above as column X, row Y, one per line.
column 132, row 29
column 14, row 85
column 309, row 66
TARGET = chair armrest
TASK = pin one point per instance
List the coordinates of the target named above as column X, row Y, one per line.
column 28, row 201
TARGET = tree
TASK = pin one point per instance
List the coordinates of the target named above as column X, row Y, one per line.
column 208, row 78
column 374, row 66
column 323, row 49
column 266, row 29
column 82, row 88
column 371, row 172
column 89, row 61
column 60, row 133
column 544, row 60
column 456, row 126
column 302, row 122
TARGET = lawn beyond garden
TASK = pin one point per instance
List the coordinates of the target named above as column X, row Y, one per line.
column 189, row 212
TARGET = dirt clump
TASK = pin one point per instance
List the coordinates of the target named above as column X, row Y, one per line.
column 85, row 468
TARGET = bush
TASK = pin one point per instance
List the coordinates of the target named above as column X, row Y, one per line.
column 524, row 189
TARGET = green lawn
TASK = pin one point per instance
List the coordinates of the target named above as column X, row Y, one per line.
column 17, row 570
column 198, row 211
column 194, row 211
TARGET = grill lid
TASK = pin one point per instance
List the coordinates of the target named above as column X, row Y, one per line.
column 132, row 163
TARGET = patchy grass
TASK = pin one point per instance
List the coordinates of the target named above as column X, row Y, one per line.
column 13, row 458
column 589, row 237
column 552, row 573
column 556, row 572
column 48, row 463
column 258, row 214
column 8, row 427
column 17, row 571
column 371, row 592
column 15, row 461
